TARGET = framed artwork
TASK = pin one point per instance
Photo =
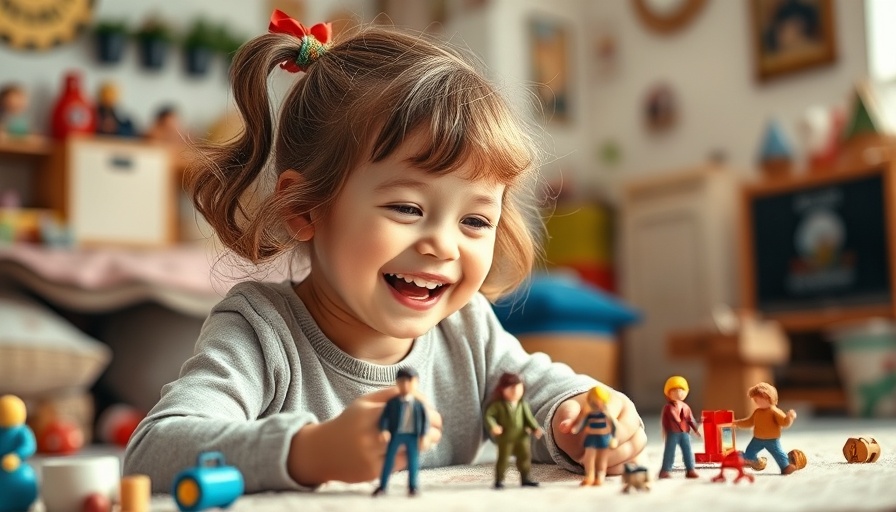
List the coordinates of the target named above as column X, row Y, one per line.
column 791, row 35
column 550, row 46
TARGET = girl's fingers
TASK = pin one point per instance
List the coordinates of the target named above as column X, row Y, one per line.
column 626, row 451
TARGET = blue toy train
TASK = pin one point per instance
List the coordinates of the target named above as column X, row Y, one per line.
column 210, row 484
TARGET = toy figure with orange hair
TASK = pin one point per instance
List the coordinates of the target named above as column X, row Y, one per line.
column 767, row 421
column 600, row 435
column 678, row 423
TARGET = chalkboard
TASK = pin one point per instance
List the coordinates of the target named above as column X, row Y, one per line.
column 822, row 246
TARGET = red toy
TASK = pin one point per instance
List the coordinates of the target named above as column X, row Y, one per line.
column 72, row 113
column 735, row 461
column 60, row 437
column 97, row 502
column 718, row 436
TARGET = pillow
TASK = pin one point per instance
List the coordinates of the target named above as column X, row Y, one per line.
column 40, row 352
column 553, row 304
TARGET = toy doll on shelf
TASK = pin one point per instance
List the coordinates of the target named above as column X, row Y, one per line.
column 510, row 421
column 767, row 421
column 600, row 435
column 677, row 422
column 166, row 127
column 13, row 103
column 109, row 119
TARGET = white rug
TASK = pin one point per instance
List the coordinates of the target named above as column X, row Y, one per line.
column 828, row 483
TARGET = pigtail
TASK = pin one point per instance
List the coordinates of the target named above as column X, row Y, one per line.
column 218, row 183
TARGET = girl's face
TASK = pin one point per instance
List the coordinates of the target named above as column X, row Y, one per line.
column 400, row 250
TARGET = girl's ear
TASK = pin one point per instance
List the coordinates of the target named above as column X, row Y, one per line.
column 300, row 226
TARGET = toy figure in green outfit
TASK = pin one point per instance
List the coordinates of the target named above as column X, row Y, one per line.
column 509, row 420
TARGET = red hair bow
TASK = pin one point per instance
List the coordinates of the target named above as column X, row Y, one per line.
column 281, row 23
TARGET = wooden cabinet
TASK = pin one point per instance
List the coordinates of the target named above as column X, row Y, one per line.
column 678, row 260
column 113, row 191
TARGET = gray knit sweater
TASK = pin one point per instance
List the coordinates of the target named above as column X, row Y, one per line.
column 262, row 369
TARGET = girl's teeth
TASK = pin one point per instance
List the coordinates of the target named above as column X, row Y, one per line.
column 422, row 283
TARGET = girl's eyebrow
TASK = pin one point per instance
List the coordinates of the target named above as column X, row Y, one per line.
column 402, row 182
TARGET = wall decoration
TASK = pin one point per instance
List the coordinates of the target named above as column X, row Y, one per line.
column 550, row 45
column 667, row 16
column 660, row 108
column 31, row 25
column 605, row 48
column 792, row 35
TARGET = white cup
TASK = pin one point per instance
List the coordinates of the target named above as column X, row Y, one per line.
column 67, row 481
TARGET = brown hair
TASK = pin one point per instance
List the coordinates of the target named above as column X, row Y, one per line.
column 764, row 389
column 358, row 102
column 506, row 380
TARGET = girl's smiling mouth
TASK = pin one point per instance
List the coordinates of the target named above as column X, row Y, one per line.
column 416, row 287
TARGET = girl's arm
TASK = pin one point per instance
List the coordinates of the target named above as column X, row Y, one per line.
column 220, row 402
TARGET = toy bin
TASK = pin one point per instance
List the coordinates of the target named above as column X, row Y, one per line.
column 865, row 356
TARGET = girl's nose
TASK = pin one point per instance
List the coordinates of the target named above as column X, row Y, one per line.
column 440, row 243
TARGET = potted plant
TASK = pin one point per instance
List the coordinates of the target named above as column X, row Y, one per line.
column 111, row 38
column 200, row 45
column 154, row 38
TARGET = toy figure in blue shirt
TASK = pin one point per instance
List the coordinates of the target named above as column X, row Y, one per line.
column 18, row 483
column 600, row 435
column 403, row 422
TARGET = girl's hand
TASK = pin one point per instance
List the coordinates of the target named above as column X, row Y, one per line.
column 350, row 447
column 630, row 434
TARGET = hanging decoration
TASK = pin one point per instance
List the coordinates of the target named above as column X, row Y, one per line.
column 30, row 25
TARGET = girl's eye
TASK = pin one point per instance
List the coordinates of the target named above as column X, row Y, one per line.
column 477, row 223
column 406, row 209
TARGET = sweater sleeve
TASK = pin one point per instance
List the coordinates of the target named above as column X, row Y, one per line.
column 547, row 383
column 222, row 401
column 746, row 422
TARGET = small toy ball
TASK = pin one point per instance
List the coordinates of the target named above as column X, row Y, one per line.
column 117, row 423
column 861, row 450
column 797, row 458
column 97, row 502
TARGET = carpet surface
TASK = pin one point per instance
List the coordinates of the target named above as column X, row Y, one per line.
column 828, row 483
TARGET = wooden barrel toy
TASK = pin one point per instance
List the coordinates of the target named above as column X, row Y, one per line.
column 861, row 450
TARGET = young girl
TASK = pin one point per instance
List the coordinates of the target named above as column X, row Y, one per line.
column 400, row 174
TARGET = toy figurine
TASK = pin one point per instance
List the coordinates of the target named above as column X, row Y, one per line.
column 18, row 482
column 403, row 422
column 13, row 103
column 211, row 483
column 510, row 420
column 109, row 120
column 677, row 422
column 767, row 421
column 167, row 127
column 600, row 435
column 636, row 477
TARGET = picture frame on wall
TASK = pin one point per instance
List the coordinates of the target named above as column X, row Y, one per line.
column 791, row 35
column 549, row 40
